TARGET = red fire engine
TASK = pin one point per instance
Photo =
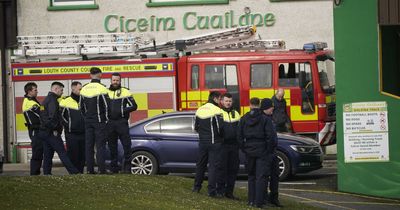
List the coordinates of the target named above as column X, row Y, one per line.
column 165, row 83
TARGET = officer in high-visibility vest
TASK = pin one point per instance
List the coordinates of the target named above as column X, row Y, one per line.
column 230, row 148
column 50, row 131
column 209, row 126
column 121, row 105
column 94, row 105
column 31, row 110
column 74, row 126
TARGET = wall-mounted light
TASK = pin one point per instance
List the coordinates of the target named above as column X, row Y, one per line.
column 337, row 2
column 247, row 10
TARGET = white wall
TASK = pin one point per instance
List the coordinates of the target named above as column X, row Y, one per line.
column 297, row 22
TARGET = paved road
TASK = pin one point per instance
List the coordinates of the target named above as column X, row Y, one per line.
column 319, row 188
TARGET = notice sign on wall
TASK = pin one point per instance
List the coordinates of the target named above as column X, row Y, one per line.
column 366, row 132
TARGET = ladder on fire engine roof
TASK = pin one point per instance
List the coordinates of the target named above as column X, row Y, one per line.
column 238, row 38
column 127, row 44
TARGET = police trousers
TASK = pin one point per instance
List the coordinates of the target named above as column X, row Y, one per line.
column 258, row 171
column 119, row 129
column 37, row 152
column 95, row 133
column 52, row 142
column 76, row 149
column 229, row 167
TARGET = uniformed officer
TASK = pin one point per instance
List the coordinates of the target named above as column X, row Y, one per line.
column 230, row 148
column 94, row 105
column 253, row 138
column 74, row 126
column 209, row 126
column 121, row 105
column 31, row 110
column 50, row 131
column 268, row 109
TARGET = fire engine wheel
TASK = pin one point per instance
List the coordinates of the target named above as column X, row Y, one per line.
column 144, row 163
column 284, row 166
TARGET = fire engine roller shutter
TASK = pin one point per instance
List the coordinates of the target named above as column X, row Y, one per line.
column 154, row 95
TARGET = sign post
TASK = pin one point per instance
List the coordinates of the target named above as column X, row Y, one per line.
column 366, row 132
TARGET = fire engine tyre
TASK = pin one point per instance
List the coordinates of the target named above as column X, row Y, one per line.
column 144, row 163
column 284, row 166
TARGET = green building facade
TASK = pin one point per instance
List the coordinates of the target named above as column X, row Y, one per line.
column 367, row 47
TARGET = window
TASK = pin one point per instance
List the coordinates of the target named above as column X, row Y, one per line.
column 163, row 3
column 195, row 77
column 72, row 4
column 214, row 76
column 294, row 74
column 261, row 75
column 298, row 75
column 221, row 77
column 326, row 73
column 390, row 56
column 173, row 125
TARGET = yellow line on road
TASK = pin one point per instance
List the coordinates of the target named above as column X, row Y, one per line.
column 340, row 193
column 355, row 202
column 316, row 201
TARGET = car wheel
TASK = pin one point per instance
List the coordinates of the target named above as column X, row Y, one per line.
column 284, row 166
column 144, row 163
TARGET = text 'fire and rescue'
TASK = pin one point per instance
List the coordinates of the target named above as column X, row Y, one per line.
column 86, row 69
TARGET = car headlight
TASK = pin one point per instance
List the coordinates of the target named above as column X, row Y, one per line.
column 305, row 149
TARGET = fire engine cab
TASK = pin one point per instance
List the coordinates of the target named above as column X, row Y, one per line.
column 178, row 75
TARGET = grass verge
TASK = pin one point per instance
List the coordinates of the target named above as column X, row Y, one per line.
column 114, row 192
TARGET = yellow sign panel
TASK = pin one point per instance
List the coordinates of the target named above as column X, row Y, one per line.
column 151, row 67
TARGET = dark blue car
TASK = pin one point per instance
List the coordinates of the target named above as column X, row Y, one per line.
column 168, row 143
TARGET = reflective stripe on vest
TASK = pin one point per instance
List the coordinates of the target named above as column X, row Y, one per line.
column 70, row 103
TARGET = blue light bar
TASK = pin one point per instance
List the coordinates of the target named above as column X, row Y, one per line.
column 314, row 46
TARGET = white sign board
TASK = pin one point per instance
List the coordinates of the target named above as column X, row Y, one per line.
column 366, row 132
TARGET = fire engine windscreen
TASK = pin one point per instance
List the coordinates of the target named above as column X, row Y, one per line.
column 326, row 73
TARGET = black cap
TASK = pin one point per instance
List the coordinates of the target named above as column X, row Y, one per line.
column 95, row 70
column 266, row 103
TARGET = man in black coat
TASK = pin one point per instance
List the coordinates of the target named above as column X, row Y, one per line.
column 50, row 131
column 279, row 115
column 254, row 137
column 268, row 109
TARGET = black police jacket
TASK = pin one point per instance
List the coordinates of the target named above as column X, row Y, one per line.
column 229, row 127
column 94, row 102
column 50, row 115
column 71, row 115
column 279, row 115
column 271, row 134
column 121, row 103
column 253, row 134
column 31, row 110
column 209, row 123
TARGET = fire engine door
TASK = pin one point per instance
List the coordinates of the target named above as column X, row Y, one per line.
column 297, row 76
